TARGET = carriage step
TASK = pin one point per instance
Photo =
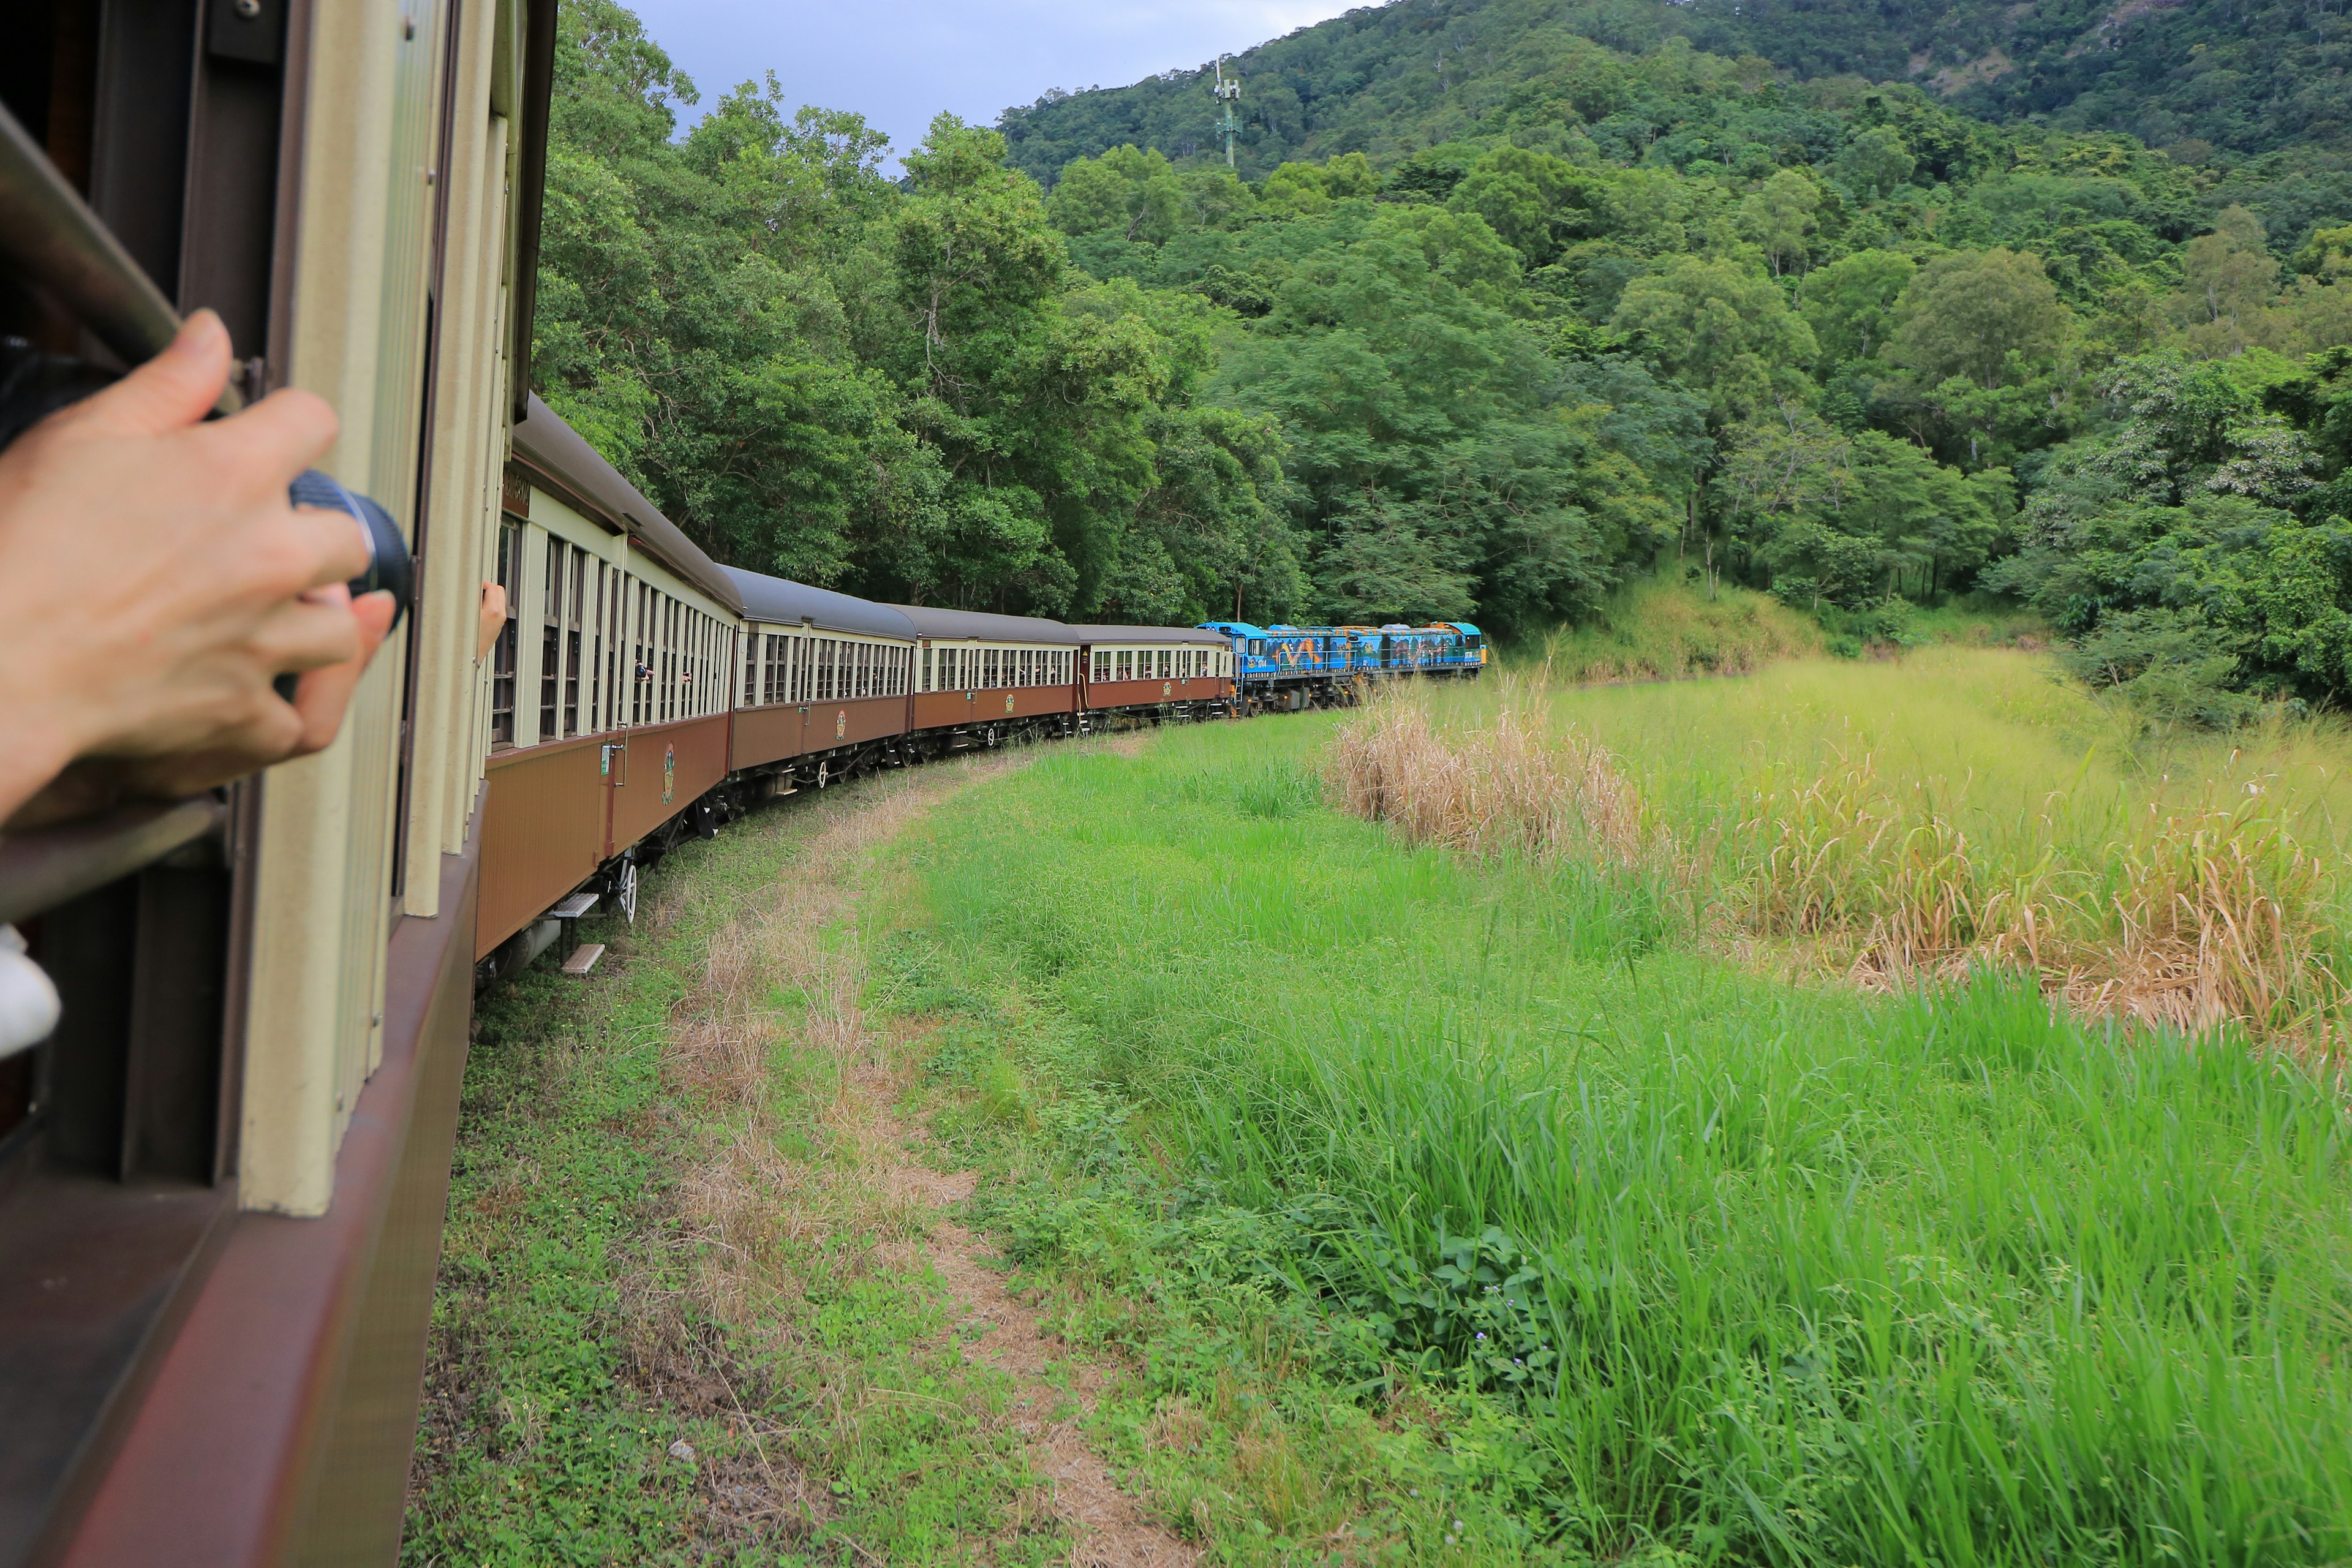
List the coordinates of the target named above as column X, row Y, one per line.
column 573, row 908
column 583, row 958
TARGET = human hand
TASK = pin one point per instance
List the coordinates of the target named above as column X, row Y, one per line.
column 491, row 621
column 154, row 579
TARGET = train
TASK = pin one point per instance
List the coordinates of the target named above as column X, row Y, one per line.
column 223, row 1177
column 641, row 691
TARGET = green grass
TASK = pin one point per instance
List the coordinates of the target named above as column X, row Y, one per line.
column 1660, row 628
column 1422, row 1192
column 575, row 1341
column 1424, row 1210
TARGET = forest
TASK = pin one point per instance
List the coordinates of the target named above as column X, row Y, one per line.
column 1641, row 309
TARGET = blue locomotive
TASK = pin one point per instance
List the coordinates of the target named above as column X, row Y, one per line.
column 1302, row 666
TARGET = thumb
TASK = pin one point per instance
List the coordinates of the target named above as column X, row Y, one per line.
column 176, row 388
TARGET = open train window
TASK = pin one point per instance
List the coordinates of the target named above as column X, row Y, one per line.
column 572, row 644
column 550, row 646
column 502, row 667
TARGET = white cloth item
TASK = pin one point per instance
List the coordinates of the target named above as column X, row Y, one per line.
column 28, row 1001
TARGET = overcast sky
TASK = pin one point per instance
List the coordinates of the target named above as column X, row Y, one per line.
column 899, row 62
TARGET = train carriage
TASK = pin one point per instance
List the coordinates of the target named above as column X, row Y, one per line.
column 982, row 678
column 609, row 700
column 222, row 1179
column 1174, row 670
column 825, row 679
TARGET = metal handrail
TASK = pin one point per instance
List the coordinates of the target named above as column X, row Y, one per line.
column 49, row 236
column 45, row 868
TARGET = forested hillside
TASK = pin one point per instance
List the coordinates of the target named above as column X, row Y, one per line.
column 907, row 393
column 2244, row 78
column 1839, row 341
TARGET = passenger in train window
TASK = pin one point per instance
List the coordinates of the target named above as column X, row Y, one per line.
column 155, row 580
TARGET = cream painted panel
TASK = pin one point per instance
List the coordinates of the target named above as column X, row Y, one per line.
column 325, row 844
column 470, row 422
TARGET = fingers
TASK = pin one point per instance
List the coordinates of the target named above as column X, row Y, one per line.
column 322, row 696
column 493, row 620
column 325, row 549
column 277, row 438
column 176, row 388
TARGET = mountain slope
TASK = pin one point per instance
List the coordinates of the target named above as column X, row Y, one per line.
column 2244, row 77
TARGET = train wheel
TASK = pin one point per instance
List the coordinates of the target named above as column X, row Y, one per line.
column 624, row 890
column 824, row 773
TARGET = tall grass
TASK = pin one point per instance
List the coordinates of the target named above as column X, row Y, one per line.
column 1761, row 1274
column 1657, row 629
column 2210, row 892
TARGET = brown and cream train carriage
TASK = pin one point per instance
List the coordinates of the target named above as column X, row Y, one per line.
column 825, row 682
column 982, row 679
column 222, row 1177
column 610, row 701
column 1167, row 671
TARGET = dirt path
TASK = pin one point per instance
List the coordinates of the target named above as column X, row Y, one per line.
column 805, row 942
column 1054, row 1389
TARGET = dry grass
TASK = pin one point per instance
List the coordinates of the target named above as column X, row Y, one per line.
column 1510, row 788
column 2190, row 918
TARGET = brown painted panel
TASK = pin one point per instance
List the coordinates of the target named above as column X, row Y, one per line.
column 542, row 832
column 858, row 719
column 666, row 767
column 766, row 736
column 937, row 709
column 942, row 709
column 1142, row 693
column 279, row 1422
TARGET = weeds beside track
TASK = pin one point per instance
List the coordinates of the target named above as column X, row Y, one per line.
column 1411, row 1177
column 2199, row 889
column 1478, row 1204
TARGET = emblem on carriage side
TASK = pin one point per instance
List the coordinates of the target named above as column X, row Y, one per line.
column 841, row 723
column 1166, row 687
column 1008, row 702
column 669, row 773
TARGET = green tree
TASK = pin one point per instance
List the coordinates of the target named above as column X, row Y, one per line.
column 2229, row 283
column 1875, row 161
column 1991, row 316
column 1779, row 216
column 1723, row 330
column 1849, row 302
column 1132, row 192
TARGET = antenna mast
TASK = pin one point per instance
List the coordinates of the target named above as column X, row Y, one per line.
column 1228, row 94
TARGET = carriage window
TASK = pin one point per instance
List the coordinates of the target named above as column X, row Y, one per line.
column 503, row 655
column 1101, row 665
column 637, row 657
column 551, row 640
column 572, row 649
column 596, row 648
column 669, row 658
column 1127, row 664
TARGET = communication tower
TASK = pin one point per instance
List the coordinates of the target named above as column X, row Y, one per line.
column 1228, row 94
